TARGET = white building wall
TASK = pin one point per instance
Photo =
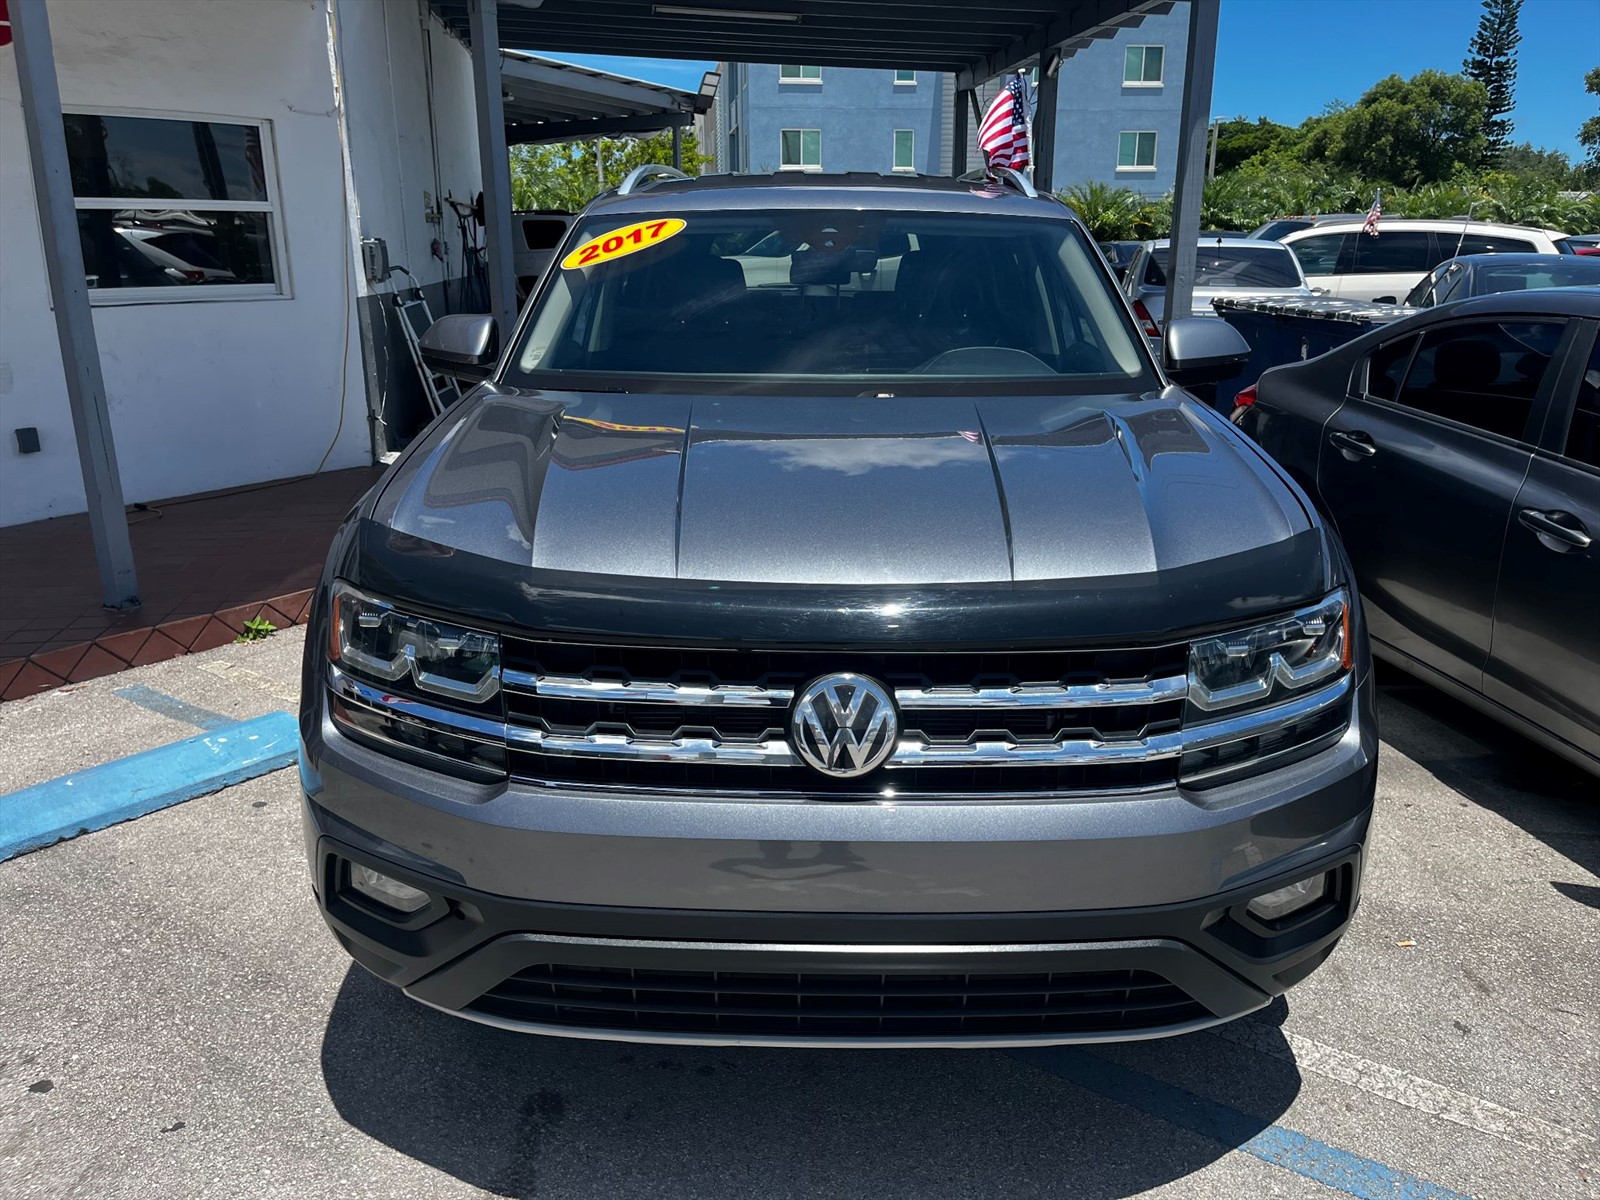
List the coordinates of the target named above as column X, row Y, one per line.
column 385, row 49
column 203, row 394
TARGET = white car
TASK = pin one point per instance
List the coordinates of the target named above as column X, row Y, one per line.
column 1224, row 266
column 1348, row 263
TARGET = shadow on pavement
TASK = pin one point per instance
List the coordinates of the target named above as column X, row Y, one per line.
column 1495, row 768
column 519, row 1115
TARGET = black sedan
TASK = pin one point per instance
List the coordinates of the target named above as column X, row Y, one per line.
column 1490, row 274
column 1458, row 453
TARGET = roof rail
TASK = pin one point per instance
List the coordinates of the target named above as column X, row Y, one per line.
column 1005, row 175
column 639, row 176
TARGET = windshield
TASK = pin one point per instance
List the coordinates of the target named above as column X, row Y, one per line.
column 901, row 302
column 1233, row 264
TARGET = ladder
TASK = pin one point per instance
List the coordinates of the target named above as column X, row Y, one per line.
column 415, row 317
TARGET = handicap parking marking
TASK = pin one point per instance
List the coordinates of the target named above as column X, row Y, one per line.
column 1412, row 1091
column 171, row 706
column 1353, row 1174
column 142, row 783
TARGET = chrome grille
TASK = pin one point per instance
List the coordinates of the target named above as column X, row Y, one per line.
column 1027, row 721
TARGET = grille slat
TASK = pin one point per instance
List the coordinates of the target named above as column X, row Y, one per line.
column 956, row 702
column 830, row 1004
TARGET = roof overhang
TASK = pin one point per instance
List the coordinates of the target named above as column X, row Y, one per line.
column 975, row 41
column 550, row 101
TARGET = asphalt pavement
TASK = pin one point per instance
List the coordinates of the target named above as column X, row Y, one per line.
column 175, row 1021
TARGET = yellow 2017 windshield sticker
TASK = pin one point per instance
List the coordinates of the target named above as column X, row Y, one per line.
column 618, row 243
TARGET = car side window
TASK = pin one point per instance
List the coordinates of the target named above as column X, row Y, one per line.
column 1386, row 366
column 1393, row 252
column 1319, row 255
column 1478, row 243
column 1450, row 283
column 1583, row 434
column 1483, row 374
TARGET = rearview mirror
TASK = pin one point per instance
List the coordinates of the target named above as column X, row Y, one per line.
column 1203, row 350
column 464, row 346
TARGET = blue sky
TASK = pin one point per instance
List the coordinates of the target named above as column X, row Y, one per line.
column 1286, row 59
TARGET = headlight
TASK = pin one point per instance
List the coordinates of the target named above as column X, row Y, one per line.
column 1269, row 663
column 373, row 639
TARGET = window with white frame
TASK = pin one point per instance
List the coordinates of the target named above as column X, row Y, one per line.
column 800, row 149
column 905, row 77
column 1136, row 150
column 175, row 207
column 1142, row 66
column 905, row 150
column 791, row 73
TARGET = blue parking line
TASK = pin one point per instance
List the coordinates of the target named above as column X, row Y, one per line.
column 171, row 706
column 142, row 783
column 1350, row 1173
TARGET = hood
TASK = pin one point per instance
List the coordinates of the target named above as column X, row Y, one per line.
column 840, row 491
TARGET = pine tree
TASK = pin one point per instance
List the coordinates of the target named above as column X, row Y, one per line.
column 1492, row 61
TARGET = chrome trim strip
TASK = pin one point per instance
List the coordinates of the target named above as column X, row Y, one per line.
column 416, row 712
column 572, row 687
column 912, row 751
column 1090, row 695
column 836, row 1042
column 1232, row 729
column 1070, row 753
column 677, row 750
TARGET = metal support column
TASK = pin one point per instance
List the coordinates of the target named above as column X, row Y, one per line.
column 677, row 147
column 69, row 294
column 493, row 162
column 1044, row 122
column 959, row 133
column 1195, row 123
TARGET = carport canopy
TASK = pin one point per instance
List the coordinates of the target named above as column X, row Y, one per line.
column 972, row 41
column 550, row 101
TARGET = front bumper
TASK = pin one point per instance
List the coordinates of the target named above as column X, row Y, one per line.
column 793, row 922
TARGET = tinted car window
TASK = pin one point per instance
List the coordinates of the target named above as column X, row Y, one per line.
column 1583, row 435
column 1484, row 374
column 1478, row 243
column 1319, row 255
column 1239, row 264
column 1386, row 367
column 1393, row 252
column 988, row 299
column 1551, row 271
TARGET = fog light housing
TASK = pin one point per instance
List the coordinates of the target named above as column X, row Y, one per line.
column 1285, row 901
column 391, row 893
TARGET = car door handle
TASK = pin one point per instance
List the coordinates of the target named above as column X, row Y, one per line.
column 1548, row 525
column 1358, row 444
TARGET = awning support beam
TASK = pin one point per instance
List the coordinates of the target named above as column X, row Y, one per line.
column 69, row 294
column 1194, row 125
column 581, row 130
column 1044, row 124
column 494, row 163
column 959, row 135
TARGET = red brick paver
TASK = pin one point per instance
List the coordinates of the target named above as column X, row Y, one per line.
column 202, row 562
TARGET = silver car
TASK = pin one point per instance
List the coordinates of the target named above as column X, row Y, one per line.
column 1224, row 266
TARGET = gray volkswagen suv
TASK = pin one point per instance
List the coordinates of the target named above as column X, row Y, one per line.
column 864, row 641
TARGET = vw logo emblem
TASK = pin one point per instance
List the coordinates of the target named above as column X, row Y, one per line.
column 844, row 725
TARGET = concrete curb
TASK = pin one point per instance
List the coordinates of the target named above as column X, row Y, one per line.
column 142, row 783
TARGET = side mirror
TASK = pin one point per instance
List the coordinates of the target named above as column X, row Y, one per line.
column 464, row 346
column 1203, row 350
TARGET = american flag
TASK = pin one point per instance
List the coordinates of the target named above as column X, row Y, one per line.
column 1003, row 136
column 1373, row 213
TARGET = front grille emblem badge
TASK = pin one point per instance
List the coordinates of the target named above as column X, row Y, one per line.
column 844, row 725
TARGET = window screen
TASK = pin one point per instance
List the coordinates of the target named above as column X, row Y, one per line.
column 1485, row 374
